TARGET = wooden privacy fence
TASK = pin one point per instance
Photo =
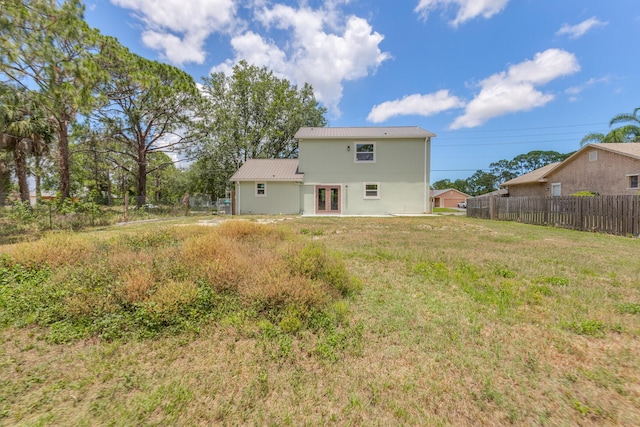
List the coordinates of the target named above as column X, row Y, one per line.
column 607, row 214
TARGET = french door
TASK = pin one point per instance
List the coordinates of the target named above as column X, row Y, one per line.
column 328, row 199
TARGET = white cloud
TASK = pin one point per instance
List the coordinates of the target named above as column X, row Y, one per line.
column 322, row 48
column 515, row 89
column 422, row 105
column 255, row 50
column 579, row 30
column 574, row 91
column 179, row 28
column 467, row 9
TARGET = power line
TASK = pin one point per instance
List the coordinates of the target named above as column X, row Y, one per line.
column 516, row 136
column 503, row 143
column 519, row 129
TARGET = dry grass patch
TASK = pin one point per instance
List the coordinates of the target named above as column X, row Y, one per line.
column 151, row 281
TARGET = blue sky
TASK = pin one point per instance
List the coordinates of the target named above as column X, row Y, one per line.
column 492, row 78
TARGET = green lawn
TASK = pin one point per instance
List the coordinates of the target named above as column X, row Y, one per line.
column 458, row 321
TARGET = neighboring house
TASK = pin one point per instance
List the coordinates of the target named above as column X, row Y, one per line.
column 532, row 184
column 605, row 169
column 341, row 171
column 448, row 198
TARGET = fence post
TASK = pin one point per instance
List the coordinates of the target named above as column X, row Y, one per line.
column 185, row 200
column 126, row 207
column 492, row 207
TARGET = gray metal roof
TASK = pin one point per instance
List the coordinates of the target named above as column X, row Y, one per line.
column 363, row 132
column 269, row 170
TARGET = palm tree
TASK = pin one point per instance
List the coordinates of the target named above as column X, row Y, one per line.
column 627, row 133
column 24, row 131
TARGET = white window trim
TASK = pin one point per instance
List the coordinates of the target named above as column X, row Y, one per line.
column 629, row 181
column 355, row 152
column 364, row 190
column 593, row 155
column 556, row 184
column 256, row 189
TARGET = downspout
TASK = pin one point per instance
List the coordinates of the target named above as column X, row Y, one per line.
column 238, row 198
column 427, row 160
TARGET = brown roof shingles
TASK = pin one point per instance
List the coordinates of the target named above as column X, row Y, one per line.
column 531, row 177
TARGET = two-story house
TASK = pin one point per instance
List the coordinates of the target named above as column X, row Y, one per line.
column 341, row 171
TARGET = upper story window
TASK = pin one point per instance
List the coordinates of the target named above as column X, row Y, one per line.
column 593, row 156
column 365, row 152
column 261, row 189
column 633, row 181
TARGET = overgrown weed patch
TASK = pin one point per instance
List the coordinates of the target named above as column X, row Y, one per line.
column 163, row 280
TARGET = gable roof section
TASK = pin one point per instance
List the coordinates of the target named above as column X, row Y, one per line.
column 363, row 132
column 629, row 149
column 269, row 170
column 438, row 193
column 532, row 177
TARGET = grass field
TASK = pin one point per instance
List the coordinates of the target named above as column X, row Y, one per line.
column 450, row 321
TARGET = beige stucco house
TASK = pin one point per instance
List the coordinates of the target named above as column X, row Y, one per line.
column 605, row 169
column 341, row 171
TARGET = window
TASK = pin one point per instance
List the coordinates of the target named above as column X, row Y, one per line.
column 593, row 156
column 365, row 152
column 556, row 189
column 261, row 189
column 633, row 181
column 371, row 190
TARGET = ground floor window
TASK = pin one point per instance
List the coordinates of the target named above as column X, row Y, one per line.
column 633, row 181
column 371, row 190
column 556, row 189
column 261, row 189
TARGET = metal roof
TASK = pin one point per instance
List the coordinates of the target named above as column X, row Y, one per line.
column 269, row 170
column 363, row 132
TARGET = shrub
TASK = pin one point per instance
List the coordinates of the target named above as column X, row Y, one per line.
column 315, row 262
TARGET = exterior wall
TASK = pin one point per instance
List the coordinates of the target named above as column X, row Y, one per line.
column 399, row 169
column 449, row 199
column 281, row 198
column 530, row 190
column 606, row 176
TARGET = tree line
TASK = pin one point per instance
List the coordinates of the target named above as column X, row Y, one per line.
column 482, row 182
column 81, row 114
